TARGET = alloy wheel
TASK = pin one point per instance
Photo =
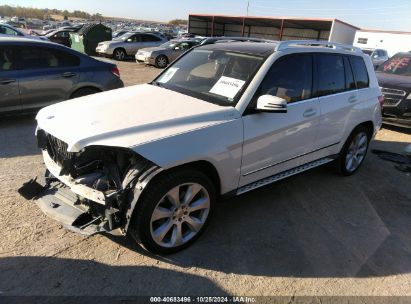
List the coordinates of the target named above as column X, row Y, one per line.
column 180, row 215
column 356, row 152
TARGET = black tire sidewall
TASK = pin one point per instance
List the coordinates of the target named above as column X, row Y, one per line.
column 118, row 51
column 158, row 58
column 140, row 224
column 343, row 155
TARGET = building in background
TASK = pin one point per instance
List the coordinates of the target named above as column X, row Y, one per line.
column 275, row 28
column 392, row 42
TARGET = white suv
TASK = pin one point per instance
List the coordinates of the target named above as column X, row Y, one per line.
column 152, row 160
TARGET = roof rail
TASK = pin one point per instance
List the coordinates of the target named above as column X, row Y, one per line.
column 282, row 45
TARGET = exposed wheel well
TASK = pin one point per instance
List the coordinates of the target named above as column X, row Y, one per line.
column 201, row 166
column 97, row 90
column 369, row 125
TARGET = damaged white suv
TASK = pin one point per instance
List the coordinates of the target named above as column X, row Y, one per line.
column 152, row 160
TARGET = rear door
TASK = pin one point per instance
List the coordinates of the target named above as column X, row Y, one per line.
column 337, row 94
column 9, row 80
column 47, row 75
column 274, row 142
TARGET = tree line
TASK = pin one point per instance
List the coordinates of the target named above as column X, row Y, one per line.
column 27, row 12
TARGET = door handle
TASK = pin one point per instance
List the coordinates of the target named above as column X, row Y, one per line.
column 309, row 112
column 352, row 99
column 68, row 74
column 7, row 80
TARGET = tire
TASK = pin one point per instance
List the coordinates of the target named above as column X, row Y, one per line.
column 354, row 151
column 119, row 54
column 84, row 92
column 161, row 62
column 166, row 220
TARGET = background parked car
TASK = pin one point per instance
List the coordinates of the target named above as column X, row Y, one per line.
column 166, row 53
column 128, row 45
column 378, row 56
column 61, row 37
column 119, row 33
column 9, row 31
column 394, row 78
column 34, row 74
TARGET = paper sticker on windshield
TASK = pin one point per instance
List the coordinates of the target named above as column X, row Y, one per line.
column 168, row 75
column 227, row 87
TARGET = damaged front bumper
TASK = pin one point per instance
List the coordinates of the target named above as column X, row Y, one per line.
column 90, row 199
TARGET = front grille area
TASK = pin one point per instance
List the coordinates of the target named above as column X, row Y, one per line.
column 392, row 97
column 57, row 150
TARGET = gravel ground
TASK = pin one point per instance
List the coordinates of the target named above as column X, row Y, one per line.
column 315, row 234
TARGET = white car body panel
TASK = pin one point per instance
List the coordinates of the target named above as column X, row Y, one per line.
column 128, row 117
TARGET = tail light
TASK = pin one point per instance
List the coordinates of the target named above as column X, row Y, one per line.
column 381, row 100
column 115, row 71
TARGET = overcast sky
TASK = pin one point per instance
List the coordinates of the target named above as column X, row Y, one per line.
column 377, row 14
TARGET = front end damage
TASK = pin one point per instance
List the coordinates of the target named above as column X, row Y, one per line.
column 94, row 190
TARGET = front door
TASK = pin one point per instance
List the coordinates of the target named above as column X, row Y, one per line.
column 274, row 142
column 9, row 81
column 47, row 76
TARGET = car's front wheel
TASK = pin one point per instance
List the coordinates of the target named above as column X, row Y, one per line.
column 119, row 54
column 161, row 61
column 354, row 151
column 173, row 211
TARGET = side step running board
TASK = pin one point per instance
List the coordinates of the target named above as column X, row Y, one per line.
column 284, row 174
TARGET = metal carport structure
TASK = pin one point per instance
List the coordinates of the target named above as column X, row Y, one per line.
column 275, row 28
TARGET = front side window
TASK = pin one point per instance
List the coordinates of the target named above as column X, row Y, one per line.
column 41, row 58
column 215, row 76
column 331, row 74
column 289, row 78
column 150, row 38
column 360, row 72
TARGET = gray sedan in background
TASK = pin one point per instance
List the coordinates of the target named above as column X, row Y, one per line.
column 34, row 74
column 166, row 53
column 128, row 45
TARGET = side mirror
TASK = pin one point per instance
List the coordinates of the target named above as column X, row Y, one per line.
column 269, row 103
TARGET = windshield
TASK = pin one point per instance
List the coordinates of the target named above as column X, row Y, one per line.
column 169, row 44
column 123, row 37
column 398, row 65
column 215, row 76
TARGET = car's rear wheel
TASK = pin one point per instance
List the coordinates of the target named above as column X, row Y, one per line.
column 84, row 92
column 161, row 61
column 354, row 151
column 173, row 211
column 119, row 54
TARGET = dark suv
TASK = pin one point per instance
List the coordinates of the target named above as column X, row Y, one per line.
column 394, row 77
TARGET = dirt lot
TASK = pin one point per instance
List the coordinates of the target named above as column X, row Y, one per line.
column 313, row 234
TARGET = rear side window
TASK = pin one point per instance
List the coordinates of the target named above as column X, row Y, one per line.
column 360, row 72
column 290, row 78
column 42, row 58
column 331, row 74
column 7, row 62
column 150, row 38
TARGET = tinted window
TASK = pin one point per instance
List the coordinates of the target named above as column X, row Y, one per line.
column 150, row 38
column 135, row 38
column 40, row 58
column 6, row 59
column 360, row 72
column 349, row 78
column 8, row 31
column 290, row 78
column 331, row 74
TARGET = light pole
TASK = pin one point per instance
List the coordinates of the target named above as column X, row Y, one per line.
column 248, row 6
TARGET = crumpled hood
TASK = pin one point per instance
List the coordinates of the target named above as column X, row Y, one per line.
column 128, row 117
